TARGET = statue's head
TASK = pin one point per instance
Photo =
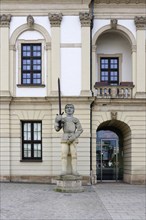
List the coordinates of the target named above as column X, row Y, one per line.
column 69, row 109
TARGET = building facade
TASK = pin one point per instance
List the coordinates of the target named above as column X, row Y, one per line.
column 98, row 50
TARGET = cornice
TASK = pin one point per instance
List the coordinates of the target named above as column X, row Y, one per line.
column 5, row 20
column 119, row 2
column 55, row 19
column 140, row 22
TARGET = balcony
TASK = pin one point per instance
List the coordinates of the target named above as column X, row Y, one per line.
column 122, row 91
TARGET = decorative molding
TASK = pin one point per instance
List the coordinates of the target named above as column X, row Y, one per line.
column 30, row 21
column 140, row 22
column 13, row 47
column 5, row 20
column 114, row 23
column 70, row 45
column 114, row 115
column 85, row 19
column 134, row 48
column 55, row 19
column 119, row 1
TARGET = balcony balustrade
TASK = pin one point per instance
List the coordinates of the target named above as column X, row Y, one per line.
column 124, row 90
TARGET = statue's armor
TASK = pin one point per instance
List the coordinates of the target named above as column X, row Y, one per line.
column 71, row 125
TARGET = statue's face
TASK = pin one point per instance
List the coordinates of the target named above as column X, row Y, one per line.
column 69, row 109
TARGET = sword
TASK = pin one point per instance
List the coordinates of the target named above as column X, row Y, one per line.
column 59, row 101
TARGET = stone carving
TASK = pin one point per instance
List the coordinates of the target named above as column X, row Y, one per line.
column 30, row 20
column 5, row 19
column 113, row 115
column 85, row 19
column 55, row 19
column 114, row 23
column 140, row 22
column 72, row 129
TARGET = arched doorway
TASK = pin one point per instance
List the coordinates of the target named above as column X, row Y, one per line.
column 109, row 156
column 113, row 140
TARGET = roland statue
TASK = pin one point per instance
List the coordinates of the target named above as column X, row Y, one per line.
column 71, row 131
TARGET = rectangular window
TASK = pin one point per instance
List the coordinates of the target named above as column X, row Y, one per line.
column 31, row 63
column 109, row 70
column 31, row 140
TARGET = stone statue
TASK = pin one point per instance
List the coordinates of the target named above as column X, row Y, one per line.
column 72, row 130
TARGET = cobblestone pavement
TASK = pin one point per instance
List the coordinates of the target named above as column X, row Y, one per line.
column 107, row 201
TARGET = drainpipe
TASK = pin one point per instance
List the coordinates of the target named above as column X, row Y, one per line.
column 91, row 105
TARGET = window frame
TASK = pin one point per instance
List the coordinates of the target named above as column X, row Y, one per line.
column 31, row 59
column 31, row 141
column 110, row 56
column 43, row 60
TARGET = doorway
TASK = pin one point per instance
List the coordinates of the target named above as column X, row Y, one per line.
column 109, row 157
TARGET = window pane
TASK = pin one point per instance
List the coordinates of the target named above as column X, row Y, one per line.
column 37, row 131
column 27, row 150
column 36, row 54
column 37, row 150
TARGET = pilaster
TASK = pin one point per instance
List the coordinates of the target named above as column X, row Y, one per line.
column 55, row 21
column 4, row 55
column 85, row 19
column 140, row 23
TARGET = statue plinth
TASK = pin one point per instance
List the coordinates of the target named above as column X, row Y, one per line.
column 69, row 183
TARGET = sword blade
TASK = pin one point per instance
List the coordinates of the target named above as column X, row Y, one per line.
column 59, row 96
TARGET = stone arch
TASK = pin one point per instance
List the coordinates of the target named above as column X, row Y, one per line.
column 24, row 28
column 119, row 29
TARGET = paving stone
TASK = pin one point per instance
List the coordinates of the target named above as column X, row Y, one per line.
column 22, row 201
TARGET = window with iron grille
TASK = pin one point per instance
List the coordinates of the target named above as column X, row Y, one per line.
column 109, row 70
column 31, row 64
column 31, row 140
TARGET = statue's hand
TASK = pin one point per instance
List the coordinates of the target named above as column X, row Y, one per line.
column 58, row 118
column 72, row 138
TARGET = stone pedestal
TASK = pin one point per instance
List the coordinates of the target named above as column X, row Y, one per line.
column 69, row 183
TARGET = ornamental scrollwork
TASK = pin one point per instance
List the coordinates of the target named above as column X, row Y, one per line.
column 5, row 19
column 30, row 21
column 85, row 19
column 55, row 19
column 140, row 22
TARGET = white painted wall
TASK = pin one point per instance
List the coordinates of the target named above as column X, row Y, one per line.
column 70, row 29
column 112, row 43
column 18, row 21
column 71, row 71
column 99, row 23
column 129, row 24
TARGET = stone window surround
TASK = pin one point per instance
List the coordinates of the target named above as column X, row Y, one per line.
column 13, row 44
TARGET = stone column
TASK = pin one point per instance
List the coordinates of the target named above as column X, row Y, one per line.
column 4, row 55
column 134, row 69
column 55, row 21
column 85, row 19
column 5, row 99
column 140, row 23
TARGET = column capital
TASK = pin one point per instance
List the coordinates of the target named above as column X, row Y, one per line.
column 140, row 22
column 55, row 19
column 5, row 20
column 85, row 19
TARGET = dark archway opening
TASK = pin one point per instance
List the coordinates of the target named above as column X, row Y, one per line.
column 109, row 153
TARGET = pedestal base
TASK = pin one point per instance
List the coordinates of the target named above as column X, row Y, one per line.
column 69, row 183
